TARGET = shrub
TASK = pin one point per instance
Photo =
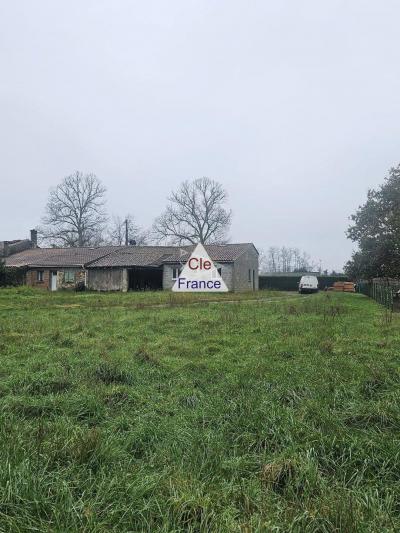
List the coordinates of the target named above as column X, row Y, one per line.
column 10, row 277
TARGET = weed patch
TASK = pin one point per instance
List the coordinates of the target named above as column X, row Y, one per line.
column 278, row 475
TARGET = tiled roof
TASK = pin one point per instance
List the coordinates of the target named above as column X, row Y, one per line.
column 133, row 256
column 57, row 257
column 158, row 255
column 217, row 252
column 119, row 256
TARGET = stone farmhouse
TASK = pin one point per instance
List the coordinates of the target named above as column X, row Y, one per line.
column 123, row 268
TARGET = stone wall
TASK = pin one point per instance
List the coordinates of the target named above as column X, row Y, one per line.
column 31, row 278
column 62, row 283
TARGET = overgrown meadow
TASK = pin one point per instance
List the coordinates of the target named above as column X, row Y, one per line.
column 242, row 416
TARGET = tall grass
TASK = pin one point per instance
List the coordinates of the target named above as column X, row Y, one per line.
column 275, row 416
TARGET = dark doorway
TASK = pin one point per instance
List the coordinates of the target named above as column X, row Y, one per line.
column 145, row 279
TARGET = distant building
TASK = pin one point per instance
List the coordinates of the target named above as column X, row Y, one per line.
column 8, row 248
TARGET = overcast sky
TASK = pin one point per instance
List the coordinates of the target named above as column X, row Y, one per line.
column 293, row 106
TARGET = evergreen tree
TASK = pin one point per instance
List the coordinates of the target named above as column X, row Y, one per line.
column 376, row 230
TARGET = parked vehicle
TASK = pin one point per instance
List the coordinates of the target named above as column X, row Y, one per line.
column 308, row 284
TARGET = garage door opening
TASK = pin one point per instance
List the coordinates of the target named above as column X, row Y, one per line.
column 145, row 279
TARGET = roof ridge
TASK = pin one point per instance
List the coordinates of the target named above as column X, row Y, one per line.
column 78, row 247
column 101, row 257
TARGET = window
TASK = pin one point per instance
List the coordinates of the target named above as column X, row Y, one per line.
column 69, row 276
column 39, row 275
column 249, row 275
column 175, row 272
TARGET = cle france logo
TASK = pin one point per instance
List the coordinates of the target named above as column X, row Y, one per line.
column 199, row 274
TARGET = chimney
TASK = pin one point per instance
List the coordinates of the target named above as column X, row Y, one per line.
column 34, row 238
column 126, row 233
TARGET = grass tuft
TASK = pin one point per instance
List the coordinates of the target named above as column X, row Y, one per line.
column 110, row 373
column 278, row 475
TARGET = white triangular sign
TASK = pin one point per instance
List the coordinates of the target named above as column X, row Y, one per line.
column 199, row 274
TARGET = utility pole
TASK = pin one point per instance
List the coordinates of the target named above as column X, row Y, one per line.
column 126, row 233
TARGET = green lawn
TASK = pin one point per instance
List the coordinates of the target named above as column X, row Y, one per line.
column 258, row 416
column 24, row 298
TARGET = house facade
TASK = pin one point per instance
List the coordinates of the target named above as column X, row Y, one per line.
column 123, row 268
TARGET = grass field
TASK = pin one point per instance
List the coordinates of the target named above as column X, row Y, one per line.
column 258, row 416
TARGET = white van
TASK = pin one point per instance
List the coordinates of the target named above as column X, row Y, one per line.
column 308, row 284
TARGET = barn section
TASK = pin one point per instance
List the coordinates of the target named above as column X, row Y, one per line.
column 135, row 268
column 157, row 267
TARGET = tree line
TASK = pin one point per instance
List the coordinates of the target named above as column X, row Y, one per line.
column 75, row 215
column 286, row 259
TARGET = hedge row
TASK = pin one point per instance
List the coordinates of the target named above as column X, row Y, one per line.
column 291, row 283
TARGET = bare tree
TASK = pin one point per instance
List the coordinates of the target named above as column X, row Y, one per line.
column 304, row 263
column 285, row 259
column 269, row 260
column 195, row 213
column 127, row 225
column 75, row 213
